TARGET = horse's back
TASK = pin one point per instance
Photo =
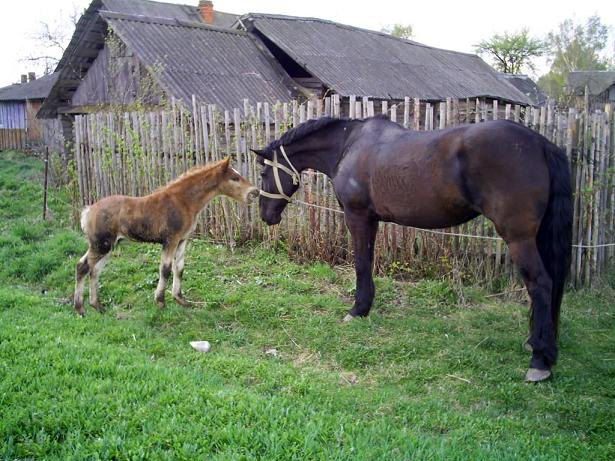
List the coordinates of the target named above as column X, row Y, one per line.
column 445, row 177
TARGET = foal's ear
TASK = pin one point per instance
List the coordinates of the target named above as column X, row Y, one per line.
column 262, row 153
column 225, row 163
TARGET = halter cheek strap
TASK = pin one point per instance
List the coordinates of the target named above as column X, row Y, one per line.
column 292, row 172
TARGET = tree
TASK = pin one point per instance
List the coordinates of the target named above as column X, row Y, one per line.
column 50, row 40
column 512, row 52
column 399, row 31
column 574, row 46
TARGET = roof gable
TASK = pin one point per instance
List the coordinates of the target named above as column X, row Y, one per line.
column 88, row 40
column 357, row 61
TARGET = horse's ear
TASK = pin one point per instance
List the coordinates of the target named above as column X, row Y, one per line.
column 225, row 163
column 262, row 153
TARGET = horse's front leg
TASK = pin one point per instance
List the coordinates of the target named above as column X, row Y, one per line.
column 363, row 231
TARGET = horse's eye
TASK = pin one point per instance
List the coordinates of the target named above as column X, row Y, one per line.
column 235, row 178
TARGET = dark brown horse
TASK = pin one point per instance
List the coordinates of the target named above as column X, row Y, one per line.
column 167, row 216
column 435, row 179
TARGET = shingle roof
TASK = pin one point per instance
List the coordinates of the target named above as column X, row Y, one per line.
column 219, row 66
column 597, row 81
column 361, row 62
column 527, row 86
column 36, row 89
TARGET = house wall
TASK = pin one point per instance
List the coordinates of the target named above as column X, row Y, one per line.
column 116, row 77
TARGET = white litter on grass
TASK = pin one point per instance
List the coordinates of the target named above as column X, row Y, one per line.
column 201, row 346
column 271, row 352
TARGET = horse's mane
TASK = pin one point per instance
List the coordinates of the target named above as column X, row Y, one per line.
column 311, row 126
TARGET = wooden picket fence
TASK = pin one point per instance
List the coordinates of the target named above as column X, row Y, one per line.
column 134, row 153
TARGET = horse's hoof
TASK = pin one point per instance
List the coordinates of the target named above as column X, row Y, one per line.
column 527, row 346
column 535, row 375
column 348, row 318
column 160, row 304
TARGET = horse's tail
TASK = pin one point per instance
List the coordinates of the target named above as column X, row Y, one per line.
column 554, row 238
column 84, row 219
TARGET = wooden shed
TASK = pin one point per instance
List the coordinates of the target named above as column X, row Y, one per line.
column 599, row 84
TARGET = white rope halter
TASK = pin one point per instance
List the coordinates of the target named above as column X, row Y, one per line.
column 292, row 172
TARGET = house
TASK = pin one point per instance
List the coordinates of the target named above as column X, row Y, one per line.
column 324, row 57
column 600, row 85
column 124, row 52
column 527, row 86
column 141, row 52
column 19, row 103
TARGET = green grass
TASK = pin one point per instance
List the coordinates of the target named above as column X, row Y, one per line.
column 425, row 376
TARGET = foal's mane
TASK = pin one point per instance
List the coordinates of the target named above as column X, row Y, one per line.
column 205, row 171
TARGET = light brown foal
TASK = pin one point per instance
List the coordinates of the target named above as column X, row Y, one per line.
column 167, row 216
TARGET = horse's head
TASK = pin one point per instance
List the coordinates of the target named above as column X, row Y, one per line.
column 279, row 181
column 235, row 186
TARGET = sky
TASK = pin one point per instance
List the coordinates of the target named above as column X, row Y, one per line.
column 454, row 25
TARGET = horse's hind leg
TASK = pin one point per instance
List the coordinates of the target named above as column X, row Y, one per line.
column 81, row 271
column 178, row 271
column 538, row 283
column 97, row 263
column 166, row 265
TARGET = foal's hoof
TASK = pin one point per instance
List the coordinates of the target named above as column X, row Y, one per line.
column 99, row 307
column 160, row 303
column 348, row 318
column 181, row 301
column 535, row 375
column 80, row 312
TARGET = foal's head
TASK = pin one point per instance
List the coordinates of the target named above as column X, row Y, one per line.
column 233, row 185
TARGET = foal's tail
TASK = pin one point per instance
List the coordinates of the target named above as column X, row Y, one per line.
column 554, row 238
column 84, row 219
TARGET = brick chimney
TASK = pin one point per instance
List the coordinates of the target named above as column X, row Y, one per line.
column 31, row 76
column 24, row 78
column 206, row 8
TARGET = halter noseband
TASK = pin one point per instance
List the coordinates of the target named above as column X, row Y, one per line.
column 292, row 172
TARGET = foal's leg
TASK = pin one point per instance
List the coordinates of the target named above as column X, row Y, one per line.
column 81, row 271
column 178, row 271
column 166, row 264
column 363, row 231
column 538, row 283
column 97, row 263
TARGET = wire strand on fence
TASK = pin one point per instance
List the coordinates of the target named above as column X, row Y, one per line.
column 451, row 234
